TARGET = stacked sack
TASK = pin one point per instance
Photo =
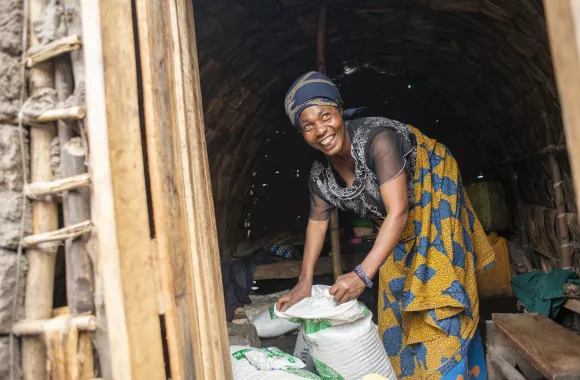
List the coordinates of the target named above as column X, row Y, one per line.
column 266, row 364
column 342, row 340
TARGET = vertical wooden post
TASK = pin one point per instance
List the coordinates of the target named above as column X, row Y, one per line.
column 203, row 271
column 563, row 21
column 530, row 254
column 321, row 67
column 40, row 277
column 559, row 202
column 119, row 204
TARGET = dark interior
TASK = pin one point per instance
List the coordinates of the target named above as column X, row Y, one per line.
column 474, row 74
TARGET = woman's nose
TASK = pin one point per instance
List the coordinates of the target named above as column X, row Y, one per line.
column 320, row 129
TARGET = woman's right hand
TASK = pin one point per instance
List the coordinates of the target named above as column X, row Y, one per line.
column 302, row 290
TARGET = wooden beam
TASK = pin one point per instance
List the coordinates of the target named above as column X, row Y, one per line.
column 44, row 189
column 210, row 335
column 321, row 67
column 40, row 276
column 563, row 22
column 119, row 202
column 36, row 327
column 171, row 250
column 291, row 269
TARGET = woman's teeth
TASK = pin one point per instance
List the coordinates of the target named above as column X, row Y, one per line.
column 326, row 141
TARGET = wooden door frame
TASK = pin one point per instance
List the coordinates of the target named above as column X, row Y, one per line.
column 563, row 24
column 175, row 273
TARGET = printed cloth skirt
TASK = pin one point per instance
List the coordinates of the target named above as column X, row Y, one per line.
column 428, row 302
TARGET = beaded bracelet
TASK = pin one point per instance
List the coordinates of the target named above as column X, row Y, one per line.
column 363, row 276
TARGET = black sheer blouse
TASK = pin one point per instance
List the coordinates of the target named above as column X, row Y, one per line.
column 382, row 149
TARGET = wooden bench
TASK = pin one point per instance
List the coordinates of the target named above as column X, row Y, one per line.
column 537, row 346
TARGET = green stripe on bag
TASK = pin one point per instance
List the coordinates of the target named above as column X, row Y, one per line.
column 325, row 371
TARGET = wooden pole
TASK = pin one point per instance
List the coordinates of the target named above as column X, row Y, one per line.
column 40, row 276
column 79, row 269
column 559, row 203
column 118, row 199
column 522, row 226
column 321, row 67
column 563, row 23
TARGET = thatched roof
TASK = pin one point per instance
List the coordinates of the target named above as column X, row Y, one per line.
column 487, row 59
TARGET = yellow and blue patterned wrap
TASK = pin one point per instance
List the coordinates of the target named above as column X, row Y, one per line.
column 428, row 303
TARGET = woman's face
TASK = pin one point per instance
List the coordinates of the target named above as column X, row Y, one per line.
column 323, row 128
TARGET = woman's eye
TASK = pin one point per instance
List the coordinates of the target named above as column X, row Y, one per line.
column 326, row 116
column 307, row 127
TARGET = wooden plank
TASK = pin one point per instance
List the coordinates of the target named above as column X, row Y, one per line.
column 291, row 269
column 166, row 184
column 573, row 305
column 119, row 204
column 552, row 349
column 207, row 314
column 41, row 262
column 563, row 22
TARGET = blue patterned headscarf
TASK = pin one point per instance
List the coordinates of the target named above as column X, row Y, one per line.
column 313, row 89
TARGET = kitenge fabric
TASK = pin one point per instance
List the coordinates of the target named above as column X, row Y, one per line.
column 428, row 302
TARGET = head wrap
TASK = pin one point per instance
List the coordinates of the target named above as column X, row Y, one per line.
column 312, row 89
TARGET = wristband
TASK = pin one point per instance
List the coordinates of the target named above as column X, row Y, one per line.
column 363, row 276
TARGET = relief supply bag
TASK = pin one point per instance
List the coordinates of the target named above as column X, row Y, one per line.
column 343, row 340
column 269, row 325
column 272, row 358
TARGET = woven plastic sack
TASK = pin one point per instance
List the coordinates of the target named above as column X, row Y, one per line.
column 269, row 325
column 343, row 340
column 243, row 370
column 302, row 351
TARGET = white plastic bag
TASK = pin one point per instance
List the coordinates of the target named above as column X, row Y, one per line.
column 243, row 370
column 269, row 325
column 272, row 359
column 302, row 351
column 343, row 340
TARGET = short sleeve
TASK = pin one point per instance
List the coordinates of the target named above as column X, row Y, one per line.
column 319, row 209
column 386, row 154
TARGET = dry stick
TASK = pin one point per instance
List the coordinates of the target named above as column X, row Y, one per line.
column 45, row 239
column 559, row 202
column 38, row 54
column 37, row 327
column 40, row 277
column 45, row 189
column 23, row 163
column 321, row 66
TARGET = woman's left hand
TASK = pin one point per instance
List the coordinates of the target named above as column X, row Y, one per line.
column 347, row 287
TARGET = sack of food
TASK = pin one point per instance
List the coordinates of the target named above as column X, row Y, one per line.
column 269, row 325
column 343, row 340
column 281, row 366
column 302, row 351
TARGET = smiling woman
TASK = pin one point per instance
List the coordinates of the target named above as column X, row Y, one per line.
column 430, row 244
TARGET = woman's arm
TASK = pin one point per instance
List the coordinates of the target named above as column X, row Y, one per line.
column 315, row 233
column 394, row 193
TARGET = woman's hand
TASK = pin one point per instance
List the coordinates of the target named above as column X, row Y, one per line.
column 302, row 290
column 347, row 287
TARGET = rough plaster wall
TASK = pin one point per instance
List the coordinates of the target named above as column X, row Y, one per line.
column 11, row 176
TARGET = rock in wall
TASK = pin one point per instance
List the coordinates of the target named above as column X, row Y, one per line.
column 11, row 179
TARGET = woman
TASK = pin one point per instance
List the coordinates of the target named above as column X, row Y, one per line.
column 430, row 245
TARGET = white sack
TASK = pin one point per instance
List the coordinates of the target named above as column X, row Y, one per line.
column 269, row 325
column 343, row 340
column 243, row 370
column 302, row 352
